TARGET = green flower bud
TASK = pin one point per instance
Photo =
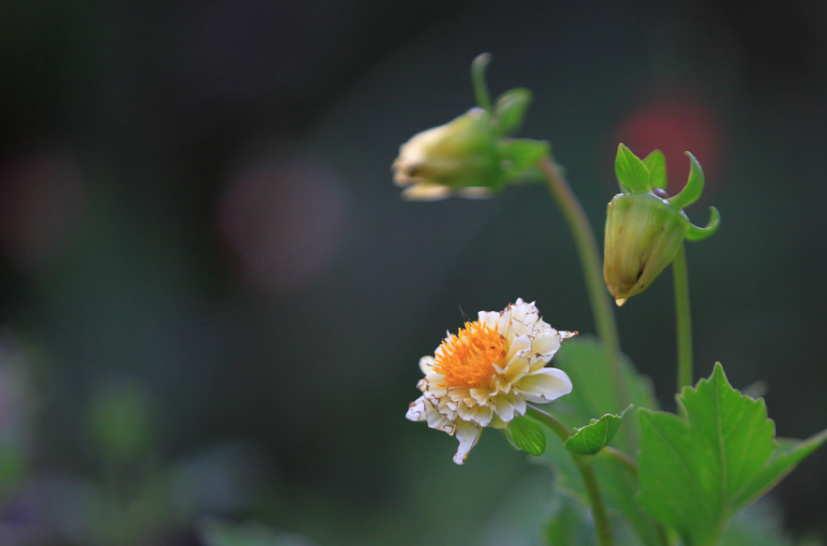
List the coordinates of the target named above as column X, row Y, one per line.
column 472, row 155
column 460, row 157
column 644, row 228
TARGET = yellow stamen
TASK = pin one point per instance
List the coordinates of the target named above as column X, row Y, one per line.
column 468, row 360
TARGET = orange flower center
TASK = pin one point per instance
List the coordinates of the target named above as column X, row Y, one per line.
column 467, row 360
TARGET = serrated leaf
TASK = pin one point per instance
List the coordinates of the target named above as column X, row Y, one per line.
column 788, row 454
column 631, row 172
column 595, row 436
column 656, row 163
column 527, row 435
column 697, row 470
column 510, row 110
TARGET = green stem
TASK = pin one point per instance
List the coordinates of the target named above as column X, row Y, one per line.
column 583, row 463
column 683, row 319
column 551, row 422
column 625, row 460
column 592, row 266
column 587, row 249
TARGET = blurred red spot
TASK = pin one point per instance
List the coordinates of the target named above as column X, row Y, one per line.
column 41, row 198
column 284, row 218
column 675, row 125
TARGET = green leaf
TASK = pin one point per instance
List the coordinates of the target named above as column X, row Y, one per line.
column 696, row 471
column 656, row 163
column 593, row 437
column 510, row 110
column 784, row 461
column 631, row 172
column 527, row 435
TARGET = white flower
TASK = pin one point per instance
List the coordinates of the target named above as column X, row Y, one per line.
column 485, row 375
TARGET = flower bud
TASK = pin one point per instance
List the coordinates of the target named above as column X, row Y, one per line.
column 459, row 157
column 644, row 228
column 643, row 236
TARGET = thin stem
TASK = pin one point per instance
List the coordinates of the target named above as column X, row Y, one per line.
column 601, row 518
column 587, row 249
column 583, row 463
column 683, row 319
column 550, row 421
column 625, row 460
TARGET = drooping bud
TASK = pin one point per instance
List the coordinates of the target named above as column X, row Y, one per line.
column 645, row 231
column 470, row 156
column 458, row 157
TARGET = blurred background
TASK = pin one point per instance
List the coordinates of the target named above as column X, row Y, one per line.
column 213, row 299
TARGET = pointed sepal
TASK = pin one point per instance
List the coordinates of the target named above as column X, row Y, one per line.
column 631, row 172
column 699, row 234
column 656, row 163
column 694, row 186
column 510, row 109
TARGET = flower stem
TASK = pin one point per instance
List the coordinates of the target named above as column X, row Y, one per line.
column 589, row 254
column 683, row 319
column 583, row 464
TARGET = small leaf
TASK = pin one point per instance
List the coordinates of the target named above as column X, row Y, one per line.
column 510, row 110
column 656, row 163
column 631, row 172
column 595, row 436
column 696, row 471
column 522, row 153
column 527, row 435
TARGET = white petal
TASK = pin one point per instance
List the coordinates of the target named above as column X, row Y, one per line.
column 458, row 393
column 490, row 318
column 519, row 403
column 416, row 411
column 467, row 434
column 515, row 370
column 480, row 395
column 475, row 192
column 544, row 385
column 505, row 409
column 424, row 191
column 520, row 344
column 439, row 422
column 480, row 415
column 426, row 364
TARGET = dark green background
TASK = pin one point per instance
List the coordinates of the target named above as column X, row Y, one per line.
column 197, row 197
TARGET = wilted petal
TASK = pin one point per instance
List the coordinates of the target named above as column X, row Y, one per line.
column 416, row 411
column 480, row 415
column 467, row 434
